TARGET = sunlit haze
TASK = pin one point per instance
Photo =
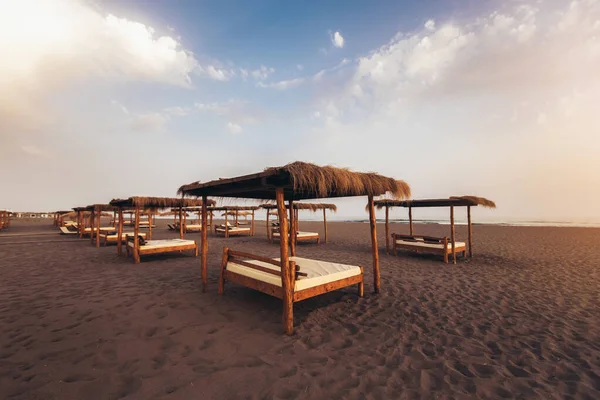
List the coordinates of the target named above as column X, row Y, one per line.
column 106, row 99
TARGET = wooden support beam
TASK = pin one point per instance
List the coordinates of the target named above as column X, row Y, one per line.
column 325, row 223
column 387, row 230
column 120, row 233
column 98, row 228
column 410, row 221
column 136, row 239
column 287, row 282
column 293, row 230
column 224, row 260
column 374, row 245
column 268, row 227
column 252, row 228
column 149, row 225
column 226, row 226
column 92, row 216
column 204, row 255
column 452, row 235
column 470, row 227
column 180, row 223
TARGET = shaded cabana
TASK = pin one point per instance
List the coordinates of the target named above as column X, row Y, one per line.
column 288, row 277
column 97, row 211
column 189, row 227
column 152, row 205
column 443, row 245
column 4, row 219
column 273, row 231
column 58, row 217
column 234, row 229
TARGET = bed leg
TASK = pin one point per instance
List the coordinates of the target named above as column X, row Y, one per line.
column 223, row 266
column 196, row 250
column 318, row 240
column 361, row 285
column 446, row 250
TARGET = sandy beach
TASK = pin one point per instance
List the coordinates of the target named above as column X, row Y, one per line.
column 520, row 320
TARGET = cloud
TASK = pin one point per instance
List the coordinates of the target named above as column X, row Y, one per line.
column 262, row 73
column 218, row 74
column 337, row 40
column 149, row 122
column 234, row 110
column 282, row 85
column 299, row 67
column 177, row 111
column 234, row 128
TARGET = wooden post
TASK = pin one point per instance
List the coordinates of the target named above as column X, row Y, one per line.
column 211, row 219
column 410, row 221
column 387, row 229
column 470, row 226
column 92, row 217
column 149, row 225
column 287, row 275
column 292, row 228
column 180, row 223
column 252, row 229
column 204, row 244
column 224, row 260
column 374, row 246
column 98, row 229
column 120, row 233
column 268, row 227
column 184, row 229
column 80, row 222
column 325, row 223
column 226, row 225
column 136, row 239
column 452, row 235
column 236, row 219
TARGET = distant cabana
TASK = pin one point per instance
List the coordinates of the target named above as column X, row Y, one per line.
column 59, row 216
column 293, row 279
column 273, row 232
column 429, row 244
column 234, row 229
column 98, row 211
column 194, row 226
column 4, row 219
column 137, row 245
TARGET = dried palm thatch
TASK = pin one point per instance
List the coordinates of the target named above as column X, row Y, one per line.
column 314, row 207
column 156, row 203
column 238, row 213
column 300, row 180
column 234, row 208
column 480, row 201
column 329, row 181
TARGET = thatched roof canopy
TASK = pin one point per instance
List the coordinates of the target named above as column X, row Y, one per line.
column 156, row 203
column 234, row 208
column 101, row 207
column 239, row 213
column 456, row 201
column 58, row 212
column 314, row 207
column 300, row 181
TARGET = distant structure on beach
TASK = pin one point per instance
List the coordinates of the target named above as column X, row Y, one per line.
column 28, row 214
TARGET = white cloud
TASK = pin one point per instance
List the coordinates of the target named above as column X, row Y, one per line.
column 282, row 85
column 299, row 67
column 430, row 25
column 149, row 122
column 177, row 111
column 262, row 73
column 234, row 128
column 233, row 110
column 120, row 106
column 338, row 40
column 218, row 74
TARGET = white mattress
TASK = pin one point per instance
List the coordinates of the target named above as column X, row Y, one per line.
column 319, row 272
column 299, row 234
column 65, row 231
column 233, row 229
column 113, row 236
column 102, row 229
column 157, row 244
column 193, row 226
column 429, row 245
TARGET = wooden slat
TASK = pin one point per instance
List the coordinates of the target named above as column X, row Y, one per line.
column 327, row 287
column 254, row 266
column 272, row 290
column 241, row 254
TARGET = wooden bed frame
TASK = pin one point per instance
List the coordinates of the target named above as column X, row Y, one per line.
column 445, row 251
column 171, row 249
column 298, row 238
column 238, row 257
column 230, row 231
column 107, row 240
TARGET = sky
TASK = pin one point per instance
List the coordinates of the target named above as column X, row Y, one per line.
column 116, row 98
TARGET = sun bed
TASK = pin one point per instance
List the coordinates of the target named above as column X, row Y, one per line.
column 233, row 230
column 65, row 231
column 311, row 278
column 428, row 244
column 193, row 227
column 112, row 237
column 300, row 236
column 161, row 246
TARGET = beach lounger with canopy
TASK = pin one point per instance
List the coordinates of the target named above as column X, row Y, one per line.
column 289, row 277
column 273, row 230
column 427, row 244
column 137, row 245
column 113, row 237
column 233, row 228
